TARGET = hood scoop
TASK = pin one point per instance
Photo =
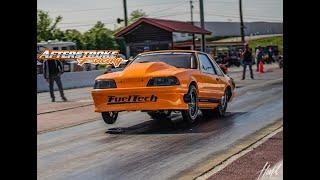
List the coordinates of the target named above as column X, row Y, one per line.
column 141, row 69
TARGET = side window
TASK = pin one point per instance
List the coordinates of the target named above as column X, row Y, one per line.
column 217, row 68
column 64, row 48
column 55, row 48
column 206, row 64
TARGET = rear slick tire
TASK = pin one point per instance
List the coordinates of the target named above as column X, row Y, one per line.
column 190, row 115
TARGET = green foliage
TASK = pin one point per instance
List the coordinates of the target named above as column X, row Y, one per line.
column 136, row 14
column 74, row 36
column 46, row 27
column 98, row 37
column 277, row 40
column 216, row 38
column 101, row 66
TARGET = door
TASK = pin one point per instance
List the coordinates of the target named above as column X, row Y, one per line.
column 211, row 86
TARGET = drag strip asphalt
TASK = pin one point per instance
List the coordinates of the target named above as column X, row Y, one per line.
column 137, row 147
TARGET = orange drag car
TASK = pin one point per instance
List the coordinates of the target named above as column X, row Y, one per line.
column 161, row 82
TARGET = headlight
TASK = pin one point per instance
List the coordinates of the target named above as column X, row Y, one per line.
column 104, row 84
column 163, row 81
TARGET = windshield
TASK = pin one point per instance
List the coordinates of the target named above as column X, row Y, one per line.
column 179, row 60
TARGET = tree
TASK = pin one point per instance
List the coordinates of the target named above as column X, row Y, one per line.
column 99, row 37
column 136, row 14
column 74, row 36
column 46, row 27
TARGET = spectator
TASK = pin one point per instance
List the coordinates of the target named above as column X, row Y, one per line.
column 52, row 70
column 270, row 54
column 247, row 61
column 259, row 55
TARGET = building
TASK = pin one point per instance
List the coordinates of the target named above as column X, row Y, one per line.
column 251, row 28
column 148, row 34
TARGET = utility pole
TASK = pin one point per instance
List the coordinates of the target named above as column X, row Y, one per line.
column 241, row 21
column 125, row 13
column 191, row 11
column 203, row 40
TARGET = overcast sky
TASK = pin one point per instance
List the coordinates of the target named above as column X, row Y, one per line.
column 83, row 14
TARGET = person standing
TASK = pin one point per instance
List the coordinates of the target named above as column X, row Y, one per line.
column 247, row 61
column 52, row 70
column 270, row 55
column 258, row 57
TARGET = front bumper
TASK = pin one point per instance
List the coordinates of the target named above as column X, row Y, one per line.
column 139, row 98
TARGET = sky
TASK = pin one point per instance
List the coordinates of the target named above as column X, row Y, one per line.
column 83, row 14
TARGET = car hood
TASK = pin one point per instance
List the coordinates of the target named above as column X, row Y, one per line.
column 138, row 75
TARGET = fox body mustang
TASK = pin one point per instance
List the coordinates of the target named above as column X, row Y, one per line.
column 160, row 82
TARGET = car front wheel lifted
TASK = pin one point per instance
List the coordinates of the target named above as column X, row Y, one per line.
column 109, row 117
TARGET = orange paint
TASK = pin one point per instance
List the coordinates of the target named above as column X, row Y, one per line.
column 132, row 92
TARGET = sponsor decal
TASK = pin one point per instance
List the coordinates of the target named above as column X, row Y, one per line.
column 84, row 56
column 131, row 99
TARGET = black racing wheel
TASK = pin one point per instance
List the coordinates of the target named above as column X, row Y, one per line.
column 191, row 114
column 109, row 117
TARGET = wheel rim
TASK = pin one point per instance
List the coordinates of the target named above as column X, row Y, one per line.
column 193, row 108
column 113, row 115
column 223, row 102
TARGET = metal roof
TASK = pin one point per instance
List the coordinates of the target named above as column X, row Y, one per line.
column 168, row 25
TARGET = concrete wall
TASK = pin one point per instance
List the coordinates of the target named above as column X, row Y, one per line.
column 70, row 80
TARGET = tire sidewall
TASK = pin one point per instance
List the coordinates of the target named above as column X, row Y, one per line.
column 187, row 116
column 222, row 110
column 108, row 118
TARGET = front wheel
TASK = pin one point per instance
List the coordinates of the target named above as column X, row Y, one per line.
column 191, row 114
column 220, row 110
column 223, row 104
column 109, row 117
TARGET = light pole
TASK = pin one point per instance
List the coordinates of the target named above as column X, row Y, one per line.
column 203, row 41
column 241, row 22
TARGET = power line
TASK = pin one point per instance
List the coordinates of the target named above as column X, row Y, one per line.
column 109, row 8
column 83, row 25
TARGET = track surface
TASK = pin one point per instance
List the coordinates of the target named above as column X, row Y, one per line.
column 137, row 147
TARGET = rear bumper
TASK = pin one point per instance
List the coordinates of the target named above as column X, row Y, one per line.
column 140, row 98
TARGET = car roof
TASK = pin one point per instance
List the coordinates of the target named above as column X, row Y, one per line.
column 168, row 51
